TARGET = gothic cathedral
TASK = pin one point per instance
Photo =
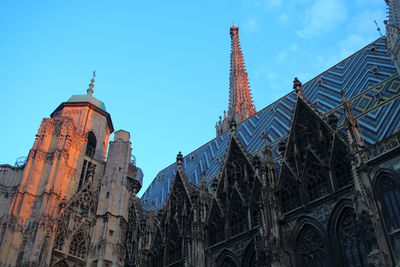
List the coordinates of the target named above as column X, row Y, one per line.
column 311, row 180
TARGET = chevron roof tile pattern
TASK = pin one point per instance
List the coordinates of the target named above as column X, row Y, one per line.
column 371, row 83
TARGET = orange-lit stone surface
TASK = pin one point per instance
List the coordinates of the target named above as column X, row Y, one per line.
column 65, row 192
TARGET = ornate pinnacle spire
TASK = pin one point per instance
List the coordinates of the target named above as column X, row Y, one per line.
column 241, row 104
column 91, row 85
column 393, row 31
column 233, row 125
column 352, row 125
column 297, row 85
column 393, row 12
column 179, row 160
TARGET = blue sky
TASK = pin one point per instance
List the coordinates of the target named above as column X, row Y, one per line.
column 163, row 66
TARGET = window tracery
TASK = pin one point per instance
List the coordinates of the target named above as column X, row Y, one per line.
column 252, row 259
column 290, row 191
column 78, row 246
column 316, row 179
column 238, row 170
column 216, row 227
column 158, row 256
column 59, row 241
column 237, row 218
column 158, row 259
column 255, row 206
column 352, row 239
column 310, row 249
column 228, row 262
column 85, row 203
column 61, row 264
column 174, row 246
column 340, row 166
column 87, row 173
column 91, row 144
column 389, row 196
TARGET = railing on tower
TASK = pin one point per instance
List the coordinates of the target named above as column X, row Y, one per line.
column 90, row 151
column 20, row 162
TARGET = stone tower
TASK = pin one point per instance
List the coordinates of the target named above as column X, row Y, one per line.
column 70, row 203
column 393, row 31
column 241, row 104
column 117, row 188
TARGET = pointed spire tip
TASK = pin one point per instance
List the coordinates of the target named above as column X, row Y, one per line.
column 91, row 85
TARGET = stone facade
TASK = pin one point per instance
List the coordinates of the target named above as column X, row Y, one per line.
column 331, row 202
column 319, row 196
column 68, row 205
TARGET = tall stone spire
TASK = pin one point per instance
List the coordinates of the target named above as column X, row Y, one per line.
column 241, row 104
column 393, row 12
column 393, row 31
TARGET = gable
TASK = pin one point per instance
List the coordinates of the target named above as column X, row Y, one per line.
column 314, row 163
column 377, row 116
column 237, row 176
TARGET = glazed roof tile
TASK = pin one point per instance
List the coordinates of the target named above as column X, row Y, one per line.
column 370, row 81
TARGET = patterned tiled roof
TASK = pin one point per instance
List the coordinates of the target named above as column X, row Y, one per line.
column 370, row 81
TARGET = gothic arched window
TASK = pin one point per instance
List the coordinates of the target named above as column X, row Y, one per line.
column 87, row 173
column 174, row 245
column 256, row 213
column 228, row 262
column 59, row 241
column 310, row 250
column 389, row 196
column 353, row 240
column 91, row 144
column 61, row 264
column 157, row 259
column 390, row 200
column 216, row 226
column 252, row 259
column 316, row 178
column 255, row 205
column 341, row 165
column 78, row 246
column 290, row 191
column 249, row 258
column 237, row 216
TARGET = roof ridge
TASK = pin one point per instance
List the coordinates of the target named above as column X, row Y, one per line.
column 224, row 135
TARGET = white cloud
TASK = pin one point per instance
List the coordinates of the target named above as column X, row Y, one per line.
column 271, row 75
column 321, row 16
column 251, row 25
column 283, row 19
column 352, row 43
column 368, row 3
column 281, row 56
column 265, row 5
column 273, row 3
column 363, row 22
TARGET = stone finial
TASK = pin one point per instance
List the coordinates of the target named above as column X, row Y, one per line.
column 233, row 125
column 297, row 85
column 179, row 160
column 282, row 147
column 351, row 124
column 332, row 121
column 264, row 135
column 91, row 85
